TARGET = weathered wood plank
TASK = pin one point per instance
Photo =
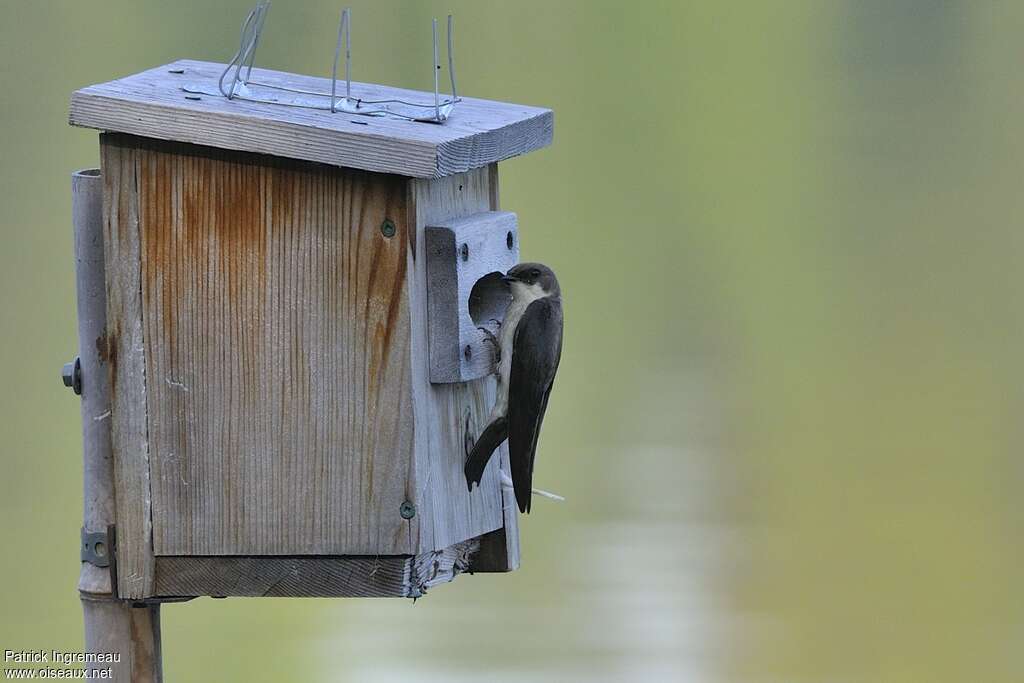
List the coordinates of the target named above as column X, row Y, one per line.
column 363, row 577
column 378, row 576
column 125, row 354
column 110, row 625
column 118, row 627
column 511, row 521
column 448, row 513
column 509, row 534
column 277, row 324
column 499, row 549
column 153, row 104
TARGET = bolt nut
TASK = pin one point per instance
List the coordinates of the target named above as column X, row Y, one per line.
column 387, row 228
column 71, row 375
column 407, row 510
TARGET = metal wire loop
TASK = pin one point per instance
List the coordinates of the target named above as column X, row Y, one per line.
column 252, row 28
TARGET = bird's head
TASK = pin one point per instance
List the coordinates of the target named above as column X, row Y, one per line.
column 534, row 280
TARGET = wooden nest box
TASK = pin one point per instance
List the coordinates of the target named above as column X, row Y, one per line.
column 293, row 299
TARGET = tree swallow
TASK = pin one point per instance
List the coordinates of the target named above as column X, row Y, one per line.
column 529, row 346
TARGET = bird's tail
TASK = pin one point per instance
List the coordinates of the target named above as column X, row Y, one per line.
column 493, row 435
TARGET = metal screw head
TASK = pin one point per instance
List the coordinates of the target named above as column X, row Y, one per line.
column 464, row 252
column 71, row 375
column 407, row 510
column 468, row 352
column 387, row 228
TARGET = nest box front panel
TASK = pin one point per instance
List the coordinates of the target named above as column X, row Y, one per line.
column 276, row 323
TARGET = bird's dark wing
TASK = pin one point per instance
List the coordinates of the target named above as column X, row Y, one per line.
column 536, row 350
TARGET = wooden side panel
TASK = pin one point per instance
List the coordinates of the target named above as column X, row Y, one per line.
column 277, row 318
column 124, row 352
column 447, row 511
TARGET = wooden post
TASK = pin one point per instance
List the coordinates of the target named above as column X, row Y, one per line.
column 111, row 625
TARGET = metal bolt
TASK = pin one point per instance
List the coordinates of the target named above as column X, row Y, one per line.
column 465, row 252
column 407, row 510
column 387, row 228
column 71, row 374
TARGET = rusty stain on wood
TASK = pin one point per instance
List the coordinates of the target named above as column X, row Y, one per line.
column 276, row 317
column 285, row 406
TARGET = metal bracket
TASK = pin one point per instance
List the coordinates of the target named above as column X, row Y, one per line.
column 96, row 547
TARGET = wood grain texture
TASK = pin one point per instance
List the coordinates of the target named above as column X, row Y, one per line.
column 124, row 351
column 153, row 104
column 448, row 513
column 380, row 576
column 116, row 626
column 466, row 257
column 277, row 350
column 511, row 519
column 509, row 560
column 360, row 577
column 499, row 549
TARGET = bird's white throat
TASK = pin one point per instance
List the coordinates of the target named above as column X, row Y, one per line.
column 522, row 296
column 527, row 293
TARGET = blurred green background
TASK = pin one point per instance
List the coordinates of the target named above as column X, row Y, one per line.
column 789, row 416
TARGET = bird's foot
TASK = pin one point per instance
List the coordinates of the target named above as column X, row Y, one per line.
column 493, row 339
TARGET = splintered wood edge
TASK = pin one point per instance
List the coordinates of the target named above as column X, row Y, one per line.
column 364, row 576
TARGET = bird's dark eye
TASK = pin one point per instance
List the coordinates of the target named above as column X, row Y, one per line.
column 535, row 274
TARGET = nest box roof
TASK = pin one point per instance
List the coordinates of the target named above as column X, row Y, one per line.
column 180, row 101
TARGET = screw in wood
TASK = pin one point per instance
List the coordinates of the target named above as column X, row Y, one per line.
column 464, row 251
column 407, row 510
column 387, row 228
column 468, row 352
